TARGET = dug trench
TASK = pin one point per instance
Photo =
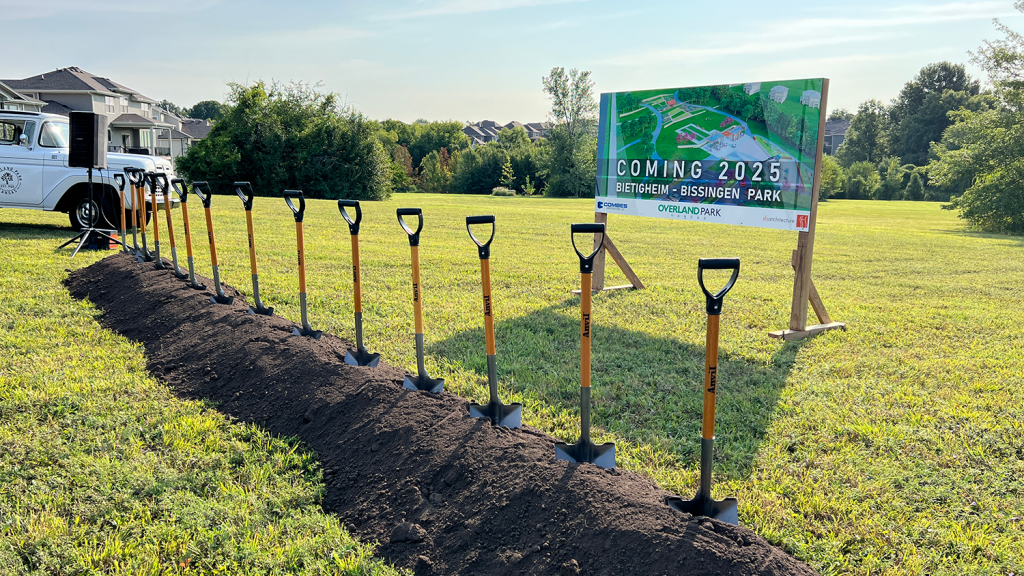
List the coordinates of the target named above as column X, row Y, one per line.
column 443, row 493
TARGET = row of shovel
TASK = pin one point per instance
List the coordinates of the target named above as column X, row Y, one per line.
column 499, row 413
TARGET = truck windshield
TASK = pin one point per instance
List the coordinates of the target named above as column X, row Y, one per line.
column 54, row 135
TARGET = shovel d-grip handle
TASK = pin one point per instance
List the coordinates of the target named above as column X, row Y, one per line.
column 137, row 176
column 181, row 189
column 244, row 191
column 714, row 301
column 163, row 181
column 202, row 189
column 301, row 210
column 353, row 223
column 587, row 262
column 483, row 247
column 414, row 235
column 119, row 178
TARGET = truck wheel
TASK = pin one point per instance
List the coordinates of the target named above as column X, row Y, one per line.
column 103, row 204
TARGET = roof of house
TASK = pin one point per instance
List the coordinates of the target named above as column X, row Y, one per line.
column 196, row 127
column 135, row 120
column 13, row 94
column 836, row 127
column 74, row 79
column 175, row 134
column 56, row 108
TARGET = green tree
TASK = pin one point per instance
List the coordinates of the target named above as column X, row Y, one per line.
column 915, row 188
column 833, row 179
column 291, row 136
column 508, row 177
column 435, row 177
column 171, row 107
column 571, row 168
column 206, row 110
column 987, row 145
column 862, row 181
column 433, row 136
column 840, row 114
column 513, row 138
column 892, row 173
column 867, row 139
column 919, row 114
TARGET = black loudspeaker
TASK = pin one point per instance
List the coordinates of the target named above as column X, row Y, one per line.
column 88, row 140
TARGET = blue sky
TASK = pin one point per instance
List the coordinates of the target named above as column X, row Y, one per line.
column 484, row 59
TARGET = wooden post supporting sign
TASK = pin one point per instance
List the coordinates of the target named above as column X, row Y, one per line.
column 803, row 288
column 597, row 285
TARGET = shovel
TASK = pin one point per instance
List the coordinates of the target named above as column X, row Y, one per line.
column 182, row 190
column 138, row 179
column 165, row 192
column 206, row 197
column 584, row 450
column 119, row 178
column 135, row 207
column 422, row 381
column 244, row 191
column 508, row 415
column 359, row 357
column 151, row 178
column 307, row 330
column 702, row 504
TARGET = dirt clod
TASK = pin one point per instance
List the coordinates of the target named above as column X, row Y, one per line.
column 449, row 494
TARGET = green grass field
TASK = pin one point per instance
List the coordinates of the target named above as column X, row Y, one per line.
column 896, row 447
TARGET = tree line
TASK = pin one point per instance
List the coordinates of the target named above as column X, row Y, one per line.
column 943, row 138
column 296, row 136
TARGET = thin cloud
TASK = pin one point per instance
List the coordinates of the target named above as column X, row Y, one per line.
column 18, row 10
column 451, row 7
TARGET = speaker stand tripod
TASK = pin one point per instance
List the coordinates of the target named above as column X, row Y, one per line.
column 89, row 231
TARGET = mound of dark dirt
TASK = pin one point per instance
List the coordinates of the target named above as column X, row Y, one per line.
column 442, row 492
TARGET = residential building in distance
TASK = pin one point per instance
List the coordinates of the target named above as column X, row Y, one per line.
column 752, row 88
column 10, row 99
column 135, row 122
column 811, row 98
column 487, row 130
column 778, row 94
column 835, row 133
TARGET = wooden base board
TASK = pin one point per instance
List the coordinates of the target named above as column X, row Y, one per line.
column 607, row 288
column 809, row 331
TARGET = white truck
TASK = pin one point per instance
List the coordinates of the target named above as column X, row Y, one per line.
column 34, row 171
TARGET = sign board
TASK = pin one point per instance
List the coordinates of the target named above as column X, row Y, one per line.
column 743, row 154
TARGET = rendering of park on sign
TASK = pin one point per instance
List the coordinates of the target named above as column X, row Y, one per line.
column 742, row 154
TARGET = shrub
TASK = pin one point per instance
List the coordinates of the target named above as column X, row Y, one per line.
column 502, row 191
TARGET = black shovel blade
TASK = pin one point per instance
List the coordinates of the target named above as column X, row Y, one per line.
column 261, row 310
column 507, row 415
column 361, row 358
column 314, row 334
column 180, row 275
column 723, row 510
column 601, row 455
column 222, row 299
column 424, row 383
column 197, row 285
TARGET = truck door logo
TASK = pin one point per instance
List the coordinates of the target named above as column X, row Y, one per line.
column 10, row 180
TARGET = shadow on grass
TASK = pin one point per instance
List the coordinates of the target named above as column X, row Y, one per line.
column 646, row 390
column 969, row 233
column 18, row 229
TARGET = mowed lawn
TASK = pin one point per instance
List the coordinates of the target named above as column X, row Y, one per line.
column 896, row 447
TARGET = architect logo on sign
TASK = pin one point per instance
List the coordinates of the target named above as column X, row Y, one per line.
column 10, row 180
column 612, row 205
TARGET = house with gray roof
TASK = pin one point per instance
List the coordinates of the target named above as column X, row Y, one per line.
column 487, row 130
column 135, row 122
column 11, row 99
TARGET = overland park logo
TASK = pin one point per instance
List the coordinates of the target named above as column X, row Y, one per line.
column 10, row 180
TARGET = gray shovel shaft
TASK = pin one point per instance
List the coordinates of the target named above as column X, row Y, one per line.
column 492, row 377
column 174, row 260
column 216, row 280
column 707, row 459
column 359, row 332
column 192, row 271
column 302, row 310
column 419, row 356
column 256, row 291
column 585, row 413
